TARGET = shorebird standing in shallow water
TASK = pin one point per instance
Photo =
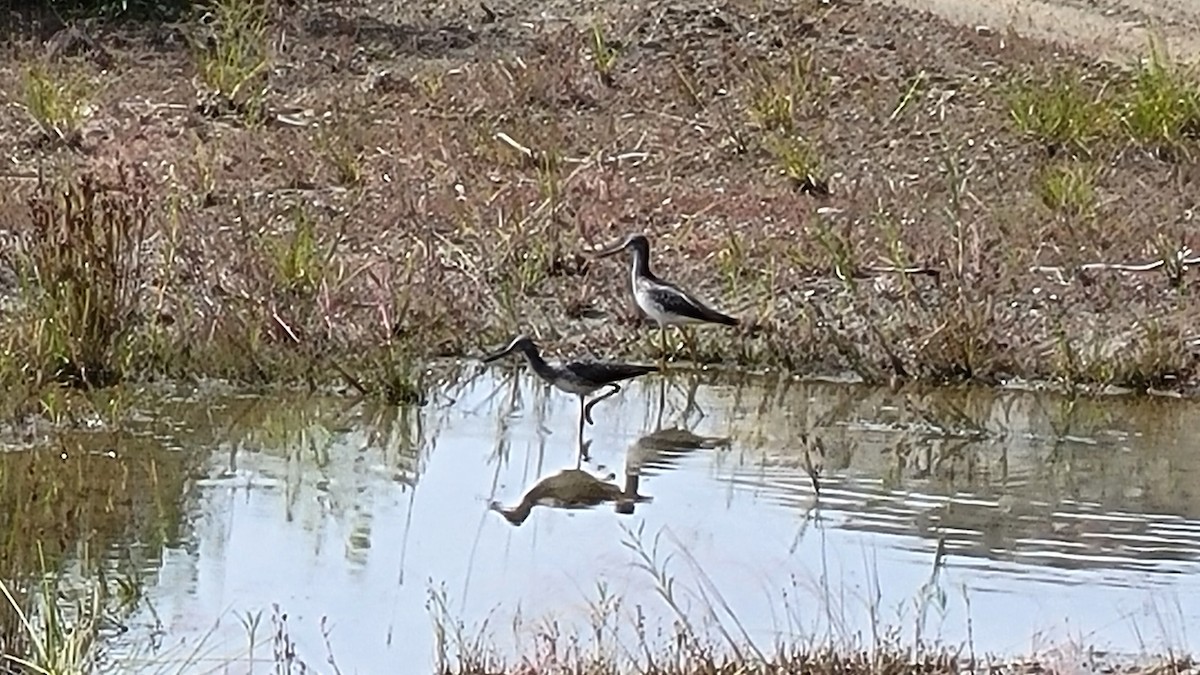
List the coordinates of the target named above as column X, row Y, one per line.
column 581, row 378
column 661, row 300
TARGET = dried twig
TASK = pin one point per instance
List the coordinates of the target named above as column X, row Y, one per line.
column 512, row 143
column 1182, row 260
column 872, row 270
column 1145, row 267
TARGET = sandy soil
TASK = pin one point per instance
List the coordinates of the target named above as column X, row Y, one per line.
column 1109, row 29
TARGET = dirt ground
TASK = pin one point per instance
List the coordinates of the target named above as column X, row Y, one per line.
column 846, row 177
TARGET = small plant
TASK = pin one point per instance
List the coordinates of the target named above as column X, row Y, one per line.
column 897, row 252
column 1163, row 107
column 342, row 155
column 400, row 380
column 910, row 95
column 531, row 259
column 731, row 264
column 840, row 249
column 798, row 160
column 1060, row 113
column 431, row 83
column 604, row 56
column 233, row 55
column 775, row 102
column 1067, row 188
column 1083, row 362
column 390, row 374
column 80, row 263
column 204, row 163
column 548, row 165
column 298, row 260
column 56, row 100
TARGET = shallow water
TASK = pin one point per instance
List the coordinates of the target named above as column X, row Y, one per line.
column 1058, row 521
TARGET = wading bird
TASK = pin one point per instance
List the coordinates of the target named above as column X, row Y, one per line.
column 581, row 378
column 663, row 301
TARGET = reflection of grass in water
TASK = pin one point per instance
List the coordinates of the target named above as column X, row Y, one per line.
column 987, row 441
column 97, row 489
column 308, row 428
column 291, row 427
column 276, row 652
column 65, row 510
column 60, row 640
column 508, row 397
column 84, row 488
column 58, row 617
column 400, row 433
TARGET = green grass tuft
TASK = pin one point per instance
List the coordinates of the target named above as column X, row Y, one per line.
column 798, row 159
column 1060, row 113
column 1162, row 109
column 1067, row 188
column 298, row 259
column 603, row 55
column 778, row 99
column 232, row 52
column 56, row 99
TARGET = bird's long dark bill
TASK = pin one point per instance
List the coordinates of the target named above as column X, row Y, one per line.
column 611, row 250
column 488, row 358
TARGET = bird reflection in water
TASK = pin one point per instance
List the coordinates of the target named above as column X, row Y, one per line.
column 574, row 489
column 663, row 449
column 578, row 489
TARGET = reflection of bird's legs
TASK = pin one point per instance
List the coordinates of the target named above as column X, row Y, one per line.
column 627, row 501
column 662, row 402
column 631, row 484
column 587, row 409
column 691, row 402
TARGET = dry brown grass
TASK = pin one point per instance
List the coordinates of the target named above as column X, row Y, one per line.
column 817, row 661
column 885, row 196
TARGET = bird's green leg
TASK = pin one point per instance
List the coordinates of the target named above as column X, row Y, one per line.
column 689, row 338
column 662, row 341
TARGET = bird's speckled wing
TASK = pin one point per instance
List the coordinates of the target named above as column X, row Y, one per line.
column 603, row 372
column 677, row 301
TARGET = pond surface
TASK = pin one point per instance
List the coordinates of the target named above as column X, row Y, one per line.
column 1009, row 521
